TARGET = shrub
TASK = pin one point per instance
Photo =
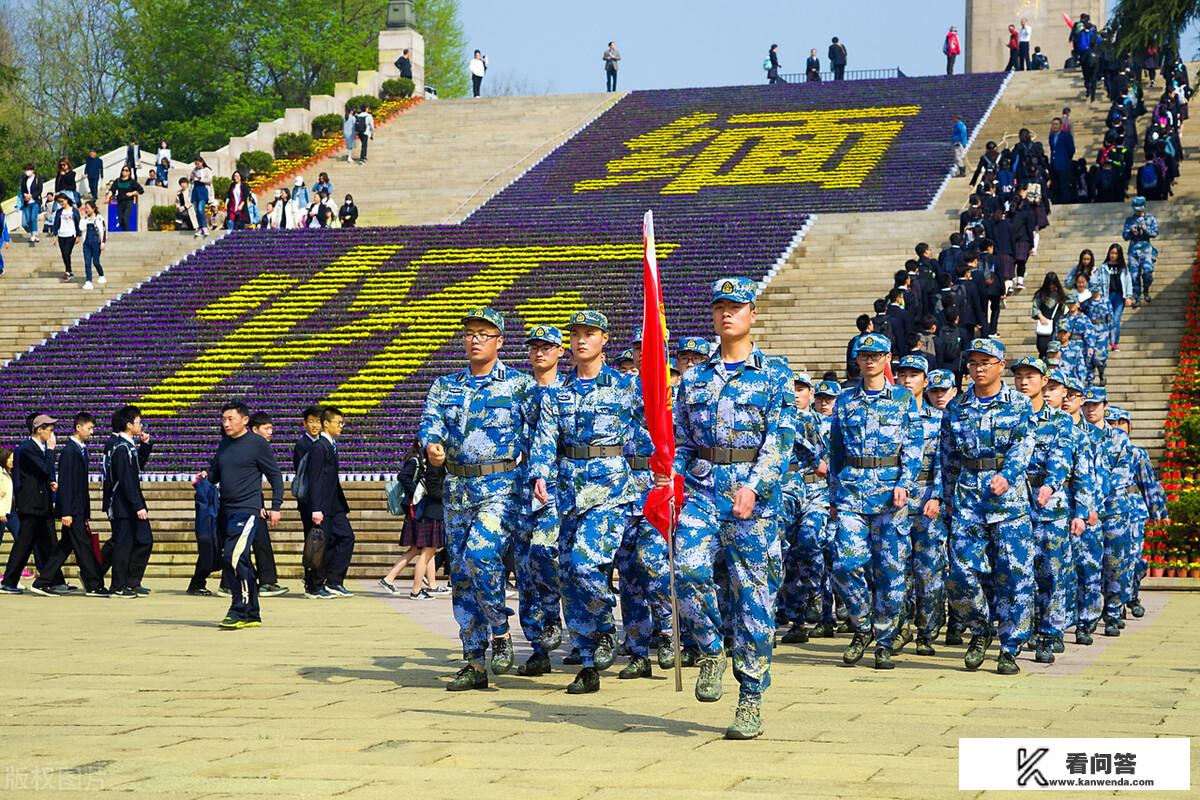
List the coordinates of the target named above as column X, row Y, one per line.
column 358, row 101
column 293, row 145
column 162, row 218
column 326, row 125
column 220, row 188
column 255, row 162
column 397, row 88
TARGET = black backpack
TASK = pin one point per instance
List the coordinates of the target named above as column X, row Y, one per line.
column 882, row 326
column 951, row 347
column 360, row 123
column 300, row 481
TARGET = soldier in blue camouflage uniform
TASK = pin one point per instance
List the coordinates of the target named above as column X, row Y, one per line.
column 1147, row 502
column 988, row 439
column 1098, row 310
column 476, row 422
column 793, row 595
column 875, row 446
column 582, row 431
column 928, row 536
column 940, row 390
column 1140, row 228
column 1114, row 456
column 818, row 529
column 1049, row 476
column 625, row 363
column 1084, row 597
column 535, row 547
column 692, row 351
column 733, row 441
column 1078, row 354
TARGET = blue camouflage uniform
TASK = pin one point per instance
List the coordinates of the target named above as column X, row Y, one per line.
column 990, row 535
column 1077, row 354
column 483, row 423
column 927, row 594
column 1138, row 231
column 732, row 431
column 535, row 547
column 1114, row 458
column 1098, row 310
column 1147, row 502
column 582, row 431
column 875, row 446
column 1088, row 549
column 807, row 453
column 1052, row 464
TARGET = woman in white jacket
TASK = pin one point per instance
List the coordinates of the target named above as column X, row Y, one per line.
column 477, row 68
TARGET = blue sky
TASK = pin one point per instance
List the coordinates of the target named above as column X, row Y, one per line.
column 555, row 45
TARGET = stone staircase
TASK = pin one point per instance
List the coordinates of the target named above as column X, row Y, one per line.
column 443, row 159
column 847, row 261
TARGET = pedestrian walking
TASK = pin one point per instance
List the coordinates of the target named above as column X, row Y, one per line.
column 364, row 129
column 67, row 228
column 327, row 504
column 1120, row 290
column 93, row 172
column 423, row 531
column 128, row 551
column 64, row 181
column 1049, row 305
column 74, row 508
column 772, row 65
column 348, row 213
column 812, row 67
column 958, row 144
column 36, row 481
column 951, row 48
column 95, row 240
column 348, row 134
column 612, row 60
column 478, row 68
column 125, row 190
column 237, row 203
column 201, row 180
column 29, row 201
column 1140, row 229
column 1014, row 49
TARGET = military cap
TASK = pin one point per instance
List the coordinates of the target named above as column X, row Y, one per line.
column 1138, row 203
column 919, row 363
column 626, row 355
column 1057, row 376
column 694, row 344
column 1031, row 361
column 739, row 290
column 1116, row 414
column 802, row 377
column 1054, row 346
column 1095, row 394
column 1072, row 296
column 489, row 315
column 545, row 333
column 872, row 343
column 829, row 388
column 588, row 319
column 989, row 347
column 1075, row 385
column 1063, row 327
column 636, row 341
column 941, row 379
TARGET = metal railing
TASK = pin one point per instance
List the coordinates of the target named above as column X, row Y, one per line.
column 849, row 75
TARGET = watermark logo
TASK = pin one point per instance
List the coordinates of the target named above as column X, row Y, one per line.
column 1027, row 766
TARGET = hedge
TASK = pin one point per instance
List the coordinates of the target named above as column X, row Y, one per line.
column 162, row 217
column 293, row 145
column 221, row 186
column 255, row 162
column 397, row 88
column 326, row 125
column 359, row 100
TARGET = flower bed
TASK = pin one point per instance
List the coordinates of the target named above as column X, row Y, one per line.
column 1173, row 548
column 284, row 170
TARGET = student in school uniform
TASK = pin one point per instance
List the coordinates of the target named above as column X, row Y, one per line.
column 75, row 510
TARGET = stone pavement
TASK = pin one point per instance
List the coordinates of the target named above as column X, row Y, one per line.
column 345, row 698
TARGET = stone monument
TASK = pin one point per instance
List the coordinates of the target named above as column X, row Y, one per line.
column 401, row 33
column 985, row 43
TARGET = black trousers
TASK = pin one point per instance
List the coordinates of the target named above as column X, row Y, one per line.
column 950, row 58
column 265, row 570
column 839, row 72
column 610, row 80
column 993, row 307
column 339, row 547
column 125, row 213
column 35, row 531
column 128, row 552
column 208, row 560
column 363, row 139
column 1023, row 62
column 476, row 82
column 66, row 246
column 75, row 540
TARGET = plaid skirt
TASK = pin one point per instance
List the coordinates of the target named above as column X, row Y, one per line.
column 423, row 533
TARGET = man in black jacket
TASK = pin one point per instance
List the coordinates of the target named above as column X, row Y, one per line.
column 404, row 64
column 128, row 551
column 75, row 510
column 837, row 59
column 313, row 589
column 242, row 460
column 34, row 505
column 327, row 504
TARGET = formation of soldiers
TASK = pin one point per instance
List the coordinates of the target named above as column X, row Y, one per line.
column 888, row 511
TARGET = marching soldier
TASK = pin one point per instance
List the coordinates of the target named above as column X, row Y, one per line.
column 1147, row 502
column 875, row 445
column 807, row 455
column 1140, row 228
column 476, row 422
column 733, row 441
column 987, row 441
column 1087, row 552
column 940, row 390
column 817, row 524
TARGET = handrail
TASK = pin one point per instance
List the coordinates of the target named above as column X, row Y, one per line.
column 849, row 75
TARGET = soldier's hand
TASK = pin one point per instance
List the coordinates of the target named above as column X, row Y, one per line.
column 999, row 485
column 1093, row 518
column 743, row 502
column 436, row 454
column 272, row 519
column 899, row 497
column 1044, row 495
column 539, row 491
column 661, row 480
column 822, row 469
column 932, row 508
column 1077, row 526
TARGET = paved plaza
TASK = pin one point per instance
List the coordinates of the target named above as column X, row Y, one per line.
column 345, row 698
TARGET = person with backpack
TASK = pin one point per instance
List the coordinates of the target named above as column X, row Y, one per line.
column 951, row 48
column 364, row 129
column 424, row 532
column 1140, row 228
column 771, row 65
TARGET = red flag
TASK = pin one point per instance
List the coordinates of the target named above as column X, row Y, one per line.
column 662, row 504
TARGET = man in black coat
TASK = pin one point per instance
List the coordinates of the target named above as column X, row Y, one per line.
column 327, row 504
column 128, row 551
column 404, row 64
column 75, row 510
column 313, row 589
column 34, row 504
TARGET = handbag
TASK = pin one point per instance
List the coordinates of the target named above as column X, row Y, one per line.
column 1044, row 329
column 314, row 547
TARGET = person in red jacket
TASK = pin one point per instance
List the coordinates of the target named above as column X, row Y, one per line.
column 1014, row 49
column 951, row 48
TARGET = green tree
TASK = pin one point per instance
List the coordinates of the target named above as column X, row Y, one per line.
column 445, row 47
column 1144, row 23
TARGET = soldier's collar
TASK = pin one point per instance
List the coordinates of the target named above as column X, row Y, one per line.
column 755, row 360
column 606, row 377
column 499, row 372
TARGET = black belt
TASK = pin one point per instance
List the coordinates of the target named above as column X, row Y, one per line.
column 1036, row 481
column 480, row 470
column 873, row 463
column 594, row 451
column 729, row 455
column 984, row 463
column 638, row 463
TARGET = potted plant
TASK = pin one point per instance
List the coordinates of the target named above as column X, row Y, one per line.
column 1194, row 569
column 1157, row 566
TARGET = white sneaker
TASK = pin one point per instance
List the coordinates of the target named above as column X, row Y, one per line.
column 196, row 235
column 102, row 280
column 87, row 284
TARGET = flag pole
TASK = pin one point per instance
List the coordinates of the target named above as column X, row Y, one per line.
column 674, row 602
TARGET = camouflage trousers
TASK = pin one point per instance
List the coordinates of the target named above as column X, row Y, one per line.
column 1116, row 576
column 750, row 551
column 1141, row 268
column 1002, row 550
column 927, row 593
column 1089, row 555
column 593, row 538
column 476, row 539
column 878, row 543
column 804, row 564
column 535, row 551
column 1137, row 564
column 1051, row 562
column 645, row 585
